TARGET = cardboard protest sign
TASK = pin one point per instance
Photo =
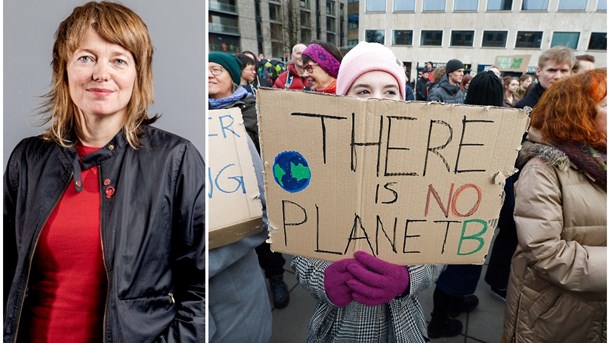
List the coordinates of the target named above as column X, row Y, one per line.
column 514, row 63
column 234, row 205
column 412, row 183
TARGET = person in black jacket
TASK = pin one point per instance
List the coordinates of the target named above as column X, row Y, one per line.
column 421, row 88
column 103, row 214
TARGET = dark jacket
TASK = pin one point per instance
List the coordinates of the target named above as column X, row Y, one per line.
column 409, row 92
column 532, row 97
column 152, row 231
column 447, row 93
column 421, row 89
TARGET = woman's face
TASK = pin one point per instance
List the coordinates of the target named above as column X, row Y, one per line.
column 512, row 86
column 318, row 78
column 221, row 85
column 375, row 84
column 526, row 83
column 600, row 118
column 249, row 73
column 101, row 76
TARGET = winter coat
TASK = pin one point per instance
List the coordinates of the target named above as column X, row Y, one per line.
column 557, row 287
column 152, row 231
column 401, row 320
column 446, row 93
column 239, row 309
column 297, row 82
column 531, row 98
column 421, row 89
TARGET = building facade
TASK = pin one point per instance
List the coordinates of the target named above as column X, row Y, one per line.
column 272, row 27
column 477, row 32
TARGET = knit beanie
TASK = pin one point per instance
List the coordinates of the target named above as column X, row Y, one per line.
column 454, row 65
column 485, row 89
column 366, row 57
column 230, row 62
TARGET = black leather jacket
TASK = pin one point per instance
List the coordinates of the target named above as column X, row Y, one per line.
column 152, row 231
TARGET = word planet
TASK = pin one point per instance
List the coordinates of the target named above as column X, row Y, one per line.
column 291, row 171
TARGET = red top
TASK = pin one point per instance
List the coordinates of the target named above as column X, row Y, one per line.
column 68, row 279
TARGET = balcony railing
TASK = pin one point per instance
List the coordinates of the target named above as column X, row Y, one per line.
column 221, row 28
column 219, row 6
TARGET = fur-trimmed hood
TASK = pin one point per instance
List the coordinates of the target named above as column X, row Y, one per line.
column 548, row 153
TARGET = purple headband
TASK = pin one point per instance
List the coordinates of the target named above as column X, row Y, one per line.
column 323, row 58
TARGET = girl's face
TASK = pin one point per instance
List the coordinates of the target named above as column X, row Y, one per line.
column 375, row 84
column 512, row 86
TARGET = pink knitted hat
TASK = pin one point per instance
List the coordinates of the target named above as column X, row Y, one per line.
column 366, row 57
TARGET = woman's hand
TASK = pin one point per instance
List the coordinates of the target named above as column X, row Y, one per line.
column 336, row 277
column 374, row 281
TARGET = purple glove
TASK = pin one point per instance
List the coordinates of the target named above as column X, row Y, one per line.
column 335, row 282
column 375, row 281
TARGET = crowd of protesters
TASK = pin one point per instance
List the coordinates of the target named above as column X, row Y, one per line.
column 548, row 261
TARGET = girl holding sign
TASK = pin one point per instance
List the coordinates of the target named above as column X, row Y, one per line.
column 365, row 299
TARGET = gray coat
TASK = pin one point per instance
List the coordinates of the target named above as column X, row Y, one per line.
column 447, row 93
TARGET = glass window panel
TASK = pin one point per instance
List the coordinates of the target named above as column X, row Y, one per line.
column 330, row 37
column 352, row 21
column 535, row 5
column 330, row 24
column 569, row 39
column 598, row 41
column 277, row 31
column 465, row 5
column 404, row 5
column 352, row 43
column 434, row 5
column 432, row 37
column 330, row 7
column 528, row 39
column 374, row 36
column 462, row 38
column 499, row 5
column 305, row 19
column 573, row 5
column 304, row 3
column 602, row 5
column 275, row 12
column 403, row 37
column 222, row 24
column 305, row 35
column 375, row 5
column 495, row 39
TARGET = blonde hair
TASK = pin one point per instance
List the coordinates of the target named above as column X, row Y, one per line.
column 116, row 24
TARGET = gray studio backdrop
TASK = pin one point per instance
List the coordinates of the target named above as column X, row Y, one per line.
column 177, row 30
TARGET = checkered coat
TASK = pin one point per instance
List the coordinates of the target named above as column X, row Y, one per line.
column 401, row 320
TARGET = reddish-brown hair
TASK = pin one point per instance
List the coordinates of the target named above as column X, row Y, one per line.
column 566, row 111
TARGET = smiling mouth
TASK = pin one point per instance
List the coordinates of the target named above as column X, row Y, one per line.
column 99, row 91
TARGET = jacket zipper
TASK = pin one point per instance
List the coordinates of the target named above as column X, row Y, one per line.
column 108, row 285
column 27, row 277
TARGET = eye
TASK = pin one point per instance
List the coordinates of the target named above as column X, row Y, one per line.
column 391, row 92
column 363, row 92
column 85, row 59
column 120, row 62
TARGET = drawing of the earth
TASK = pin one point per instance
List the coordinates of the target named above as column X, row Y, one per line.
column 291, row 171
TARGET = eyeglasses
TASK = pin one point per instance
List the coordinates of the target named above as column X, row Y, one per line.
column 216, row 70
column 309, row 67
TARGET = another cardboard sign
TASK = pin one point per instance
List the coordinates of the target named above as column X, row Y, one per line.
column 514, row 63
column 234, row 205
column 412, row 183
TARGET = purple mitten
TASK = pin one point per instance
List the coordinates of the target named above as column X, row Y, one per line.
column 335, row 282
column 375, row 281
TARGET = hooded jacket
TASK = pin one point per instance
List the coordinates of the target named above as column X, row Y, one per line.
column 152, row 232
column 447, row 93
column 297, row 83
column 557, row 287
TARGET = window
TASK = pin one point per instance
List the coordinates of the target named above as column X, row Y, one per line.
column 573, row 5
column 374, row 36
column 277, row 49
column 275, row 12
column 375, row 5
column 429, row 37
column 598, row 40
column 499, row 5
column 465, row 5
column 330, row 7
column 223, row 5
column 222, row 24
column 434, row 5
column 277, row 31
column 528, row 39
column 352, row 43
column 462, row 38
column 602, row 5
column 404, row 5
column 224, row 43
column 330, row 37
column 352, row 21
column 330, row 24
column 305, row 19
column 305, row 35
column 535, row 5
column 403, row 37
column 569, row 39
column 304, row 4
column 494, row 39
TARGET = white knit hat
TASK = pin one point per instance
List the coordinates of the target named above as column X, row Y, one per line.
column 366, row 57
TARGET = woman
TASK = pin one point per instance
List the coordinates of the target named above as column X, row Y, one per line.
column 525, row 80
column 557, row 287
column 103, row 214
column 347, row 309
column 248, row 74
column 465, row 84
column 239, row 309
column 510, row 88
column 321, row 62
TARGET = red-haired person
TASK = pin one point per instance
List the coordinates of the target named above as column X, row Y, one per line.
column 557, row 286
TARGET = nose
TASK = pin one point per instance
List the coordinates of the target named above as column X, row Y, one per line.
column 100, row 73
